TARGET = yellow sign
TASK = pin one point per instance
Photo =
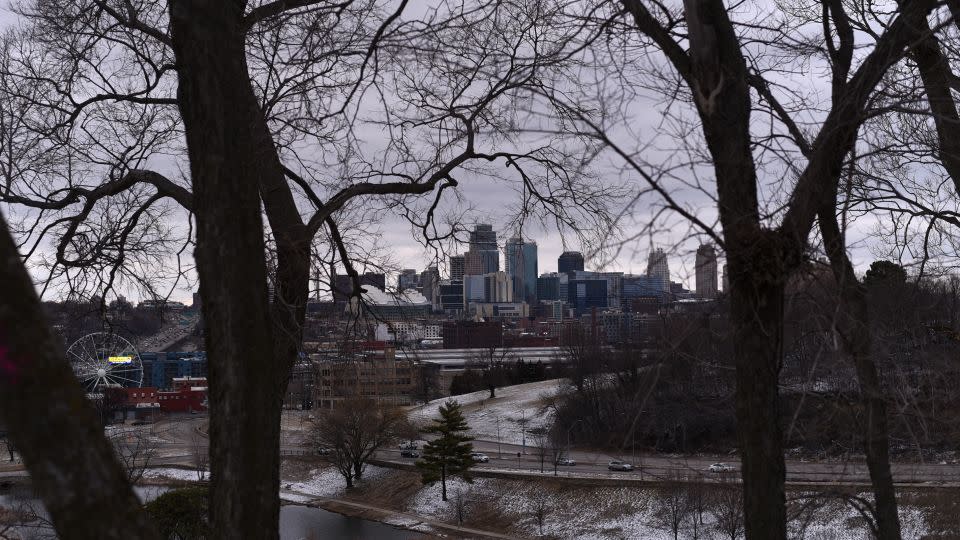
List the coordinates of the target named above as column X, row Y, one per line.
column 120, row 359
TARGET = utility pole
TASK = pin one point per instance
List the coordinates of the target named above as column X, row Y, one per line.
column 499, row 455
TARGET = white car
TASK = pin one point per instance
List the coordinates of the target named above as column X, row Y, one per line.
column 566, row 461
column 479, row 457
column 619, row 466
column 720, row 467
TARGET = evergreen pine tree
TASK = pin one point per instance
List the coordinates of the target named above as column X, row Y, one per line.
column 449, row 454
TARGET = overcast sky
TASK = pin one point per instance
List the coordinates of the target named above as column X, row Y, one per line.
column 490, row 199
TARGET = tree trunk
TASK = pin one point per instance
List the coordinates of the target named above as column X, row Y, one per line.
column 72, row 465
column 756, row 303
column 443, row 481
column 853, row 324
column 358, row 469
column 230, row 151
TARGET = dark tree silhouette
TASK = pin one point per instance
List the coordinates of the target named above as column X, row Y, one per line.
column 449, row 454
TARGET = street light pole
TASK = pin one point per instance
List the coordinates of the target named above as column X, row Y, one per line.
column 499, row 455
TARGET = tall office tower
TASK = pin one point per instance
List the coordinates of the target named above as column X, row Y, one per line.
column 521, row 265
column 473, row 263
column 483, row 238
column 570, row 261
column 706, row 267
column 456, row 267
column 483, row 256
column 408, row 279
column 658, row 269
column 429, row 282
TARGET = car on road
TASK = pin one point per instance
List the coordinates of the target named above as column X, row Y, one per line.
column 409, row 446
column 479, row 457
column 720, row 467
column 565, row 461
column 324, row 451
column 616, row 465
column 410, row 453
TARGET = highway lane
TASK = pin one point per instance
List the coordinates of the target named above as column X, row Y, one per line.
column 176, row 441
column 662, row 467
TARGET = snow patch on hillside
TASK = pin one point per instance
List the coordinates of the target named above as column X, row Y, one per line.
column 513, row 408
column 328, row 482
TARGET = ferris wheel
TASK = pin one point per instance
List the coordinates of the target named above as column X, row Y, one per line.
column 103, row 359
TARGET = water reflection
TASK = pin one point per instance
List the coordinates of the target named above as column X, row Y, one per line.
column 308, row 523
column 296, row 522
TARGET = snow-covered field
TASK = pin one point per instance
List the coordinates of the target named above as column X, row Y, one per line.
column 615, row 513
column 514, row 407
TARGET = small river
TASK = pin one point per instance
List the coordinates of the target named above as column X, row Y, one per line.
column 296, row 522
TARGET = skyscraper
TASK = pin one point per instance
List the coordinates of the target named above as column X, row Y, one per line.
column 456, row 267
column 483, row 256
column 477, row 263
column 408, row 279
column 521, row 265
column 483, row 238
column 659, row 270
column 429, row 283
column 706, row 270
column 570, row 261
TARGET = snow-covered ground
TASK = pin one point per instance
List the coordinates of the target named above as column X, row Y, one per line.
column 615, row 513
column 514, row 407
column 327, row 482
column 173, row 473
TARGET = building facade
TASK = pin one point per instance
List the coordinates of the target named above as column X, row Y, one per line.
column 457, row 266
column 375, row 375
column 570, row 261
column 408, row 279
column 521, row 265
column 706, row 272
column 658, row 269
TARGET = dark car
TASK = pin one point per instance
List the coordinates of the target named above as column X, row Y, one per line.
column 410, row 453
column 566, row 461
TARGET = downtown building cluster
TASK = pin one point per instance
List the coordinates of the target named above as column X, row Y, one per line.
column 475, row 286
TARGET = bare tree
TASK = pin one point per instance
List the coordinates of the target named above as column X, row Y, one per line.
column 541, row 445
column 53, row 440
column 355, row 430
column 558, row 447
column 266, row 99
column 460, row 505
column 703, row 60
column 672, row 505
column 199, row 454
column 727, row 509
column 136, row 449
column 540, row 509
